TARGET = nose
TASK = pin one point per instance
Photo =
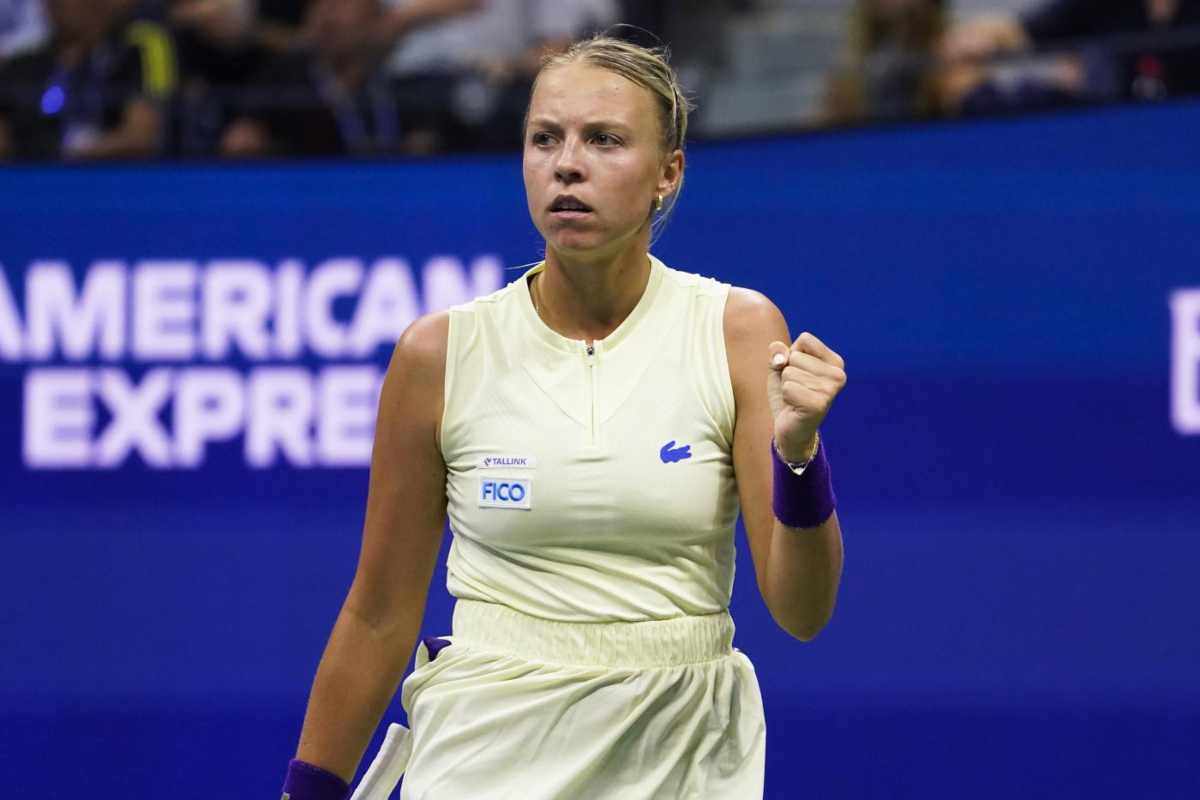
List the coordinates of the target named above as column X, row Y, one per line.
column 569, row 168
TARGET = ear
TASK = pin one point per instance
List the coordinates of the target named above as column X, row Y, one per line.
column 671, row 174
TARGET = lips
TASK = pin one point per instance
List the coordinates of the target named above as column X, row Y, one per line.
column 569, row 203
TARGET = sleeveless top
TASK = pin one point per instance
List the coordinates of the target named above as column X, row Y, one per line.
column 592, row 487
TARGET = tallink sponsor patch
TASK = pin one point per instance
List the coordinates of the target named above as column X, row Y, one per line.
column 507, row 462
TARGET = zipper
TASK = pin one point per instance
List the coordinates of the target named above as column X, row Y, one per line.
column 590, row 358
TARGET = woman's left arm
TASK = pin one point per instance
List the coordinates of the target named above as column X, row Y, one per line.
column 798, row 569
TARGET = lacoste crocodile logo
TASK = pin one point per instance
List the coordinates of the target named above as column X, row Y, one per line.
column 670, row 454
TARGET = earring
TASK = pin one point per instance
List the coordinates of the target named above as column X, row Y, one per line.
column 658, row 203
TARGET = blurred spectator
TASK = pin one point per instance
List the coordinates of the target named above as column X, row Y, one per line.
column 218, row 56
column 334, row 97
column 463, row 83
column 890, row 70
column 279, row 24
column 22, row 26
column 1117, row 64
column 99, row 89
column 227, row 22
column 275, row 26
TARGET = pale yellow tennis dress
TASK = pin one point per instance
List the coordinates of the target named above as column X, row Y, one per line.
column 592, row 500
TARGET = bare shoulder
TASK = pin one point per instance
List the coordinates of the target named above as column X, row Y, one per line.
column 413, row 389
column 751, row 323
column 421, row 350
column 751, row 319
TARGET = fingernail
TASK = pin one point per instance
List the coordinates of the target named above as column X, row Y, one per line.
column 778, row 360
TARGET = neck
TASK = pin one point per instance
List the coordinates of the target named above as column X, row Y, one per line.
column 71, row 49
column 585, row 297
column 71, row 54
column 349, row 70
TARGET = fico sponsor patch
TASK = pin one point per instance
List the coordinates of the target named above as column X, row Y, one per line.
column 506, row 493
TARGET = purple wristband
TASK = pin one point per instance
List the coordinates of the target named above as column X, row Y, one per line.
column 306, row 781
column 803, row 501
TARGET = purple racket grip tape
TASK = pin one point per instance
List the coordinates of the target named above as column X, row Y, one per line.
column 803, row 501
column 306, row 781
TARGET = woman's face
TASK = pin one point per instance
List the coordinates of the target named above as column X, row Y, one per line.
column 593, row 160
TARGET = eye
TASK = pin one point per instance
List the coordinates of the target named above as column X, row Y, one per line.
column 605, row 139
column 541, row 138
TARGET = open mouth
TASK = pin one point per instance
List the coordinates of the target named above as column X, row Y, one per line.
column 568, row 204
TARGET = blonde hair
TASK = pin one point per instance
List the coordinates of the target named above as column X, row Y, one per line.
column 650, row 68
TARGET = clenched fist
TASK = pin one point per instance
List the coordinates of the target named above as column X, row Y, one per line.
column 801, row 385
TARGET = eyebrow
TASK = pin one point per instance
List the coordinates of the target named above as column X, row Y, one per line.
column 599, row 124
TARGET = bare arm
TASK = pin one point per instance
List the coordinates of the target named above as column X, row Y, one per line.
column 983, row 38
column 245, row 138
column 406, row 511
column 798, row 571
column 410, row 16
column 6, row 141
column 137, row 136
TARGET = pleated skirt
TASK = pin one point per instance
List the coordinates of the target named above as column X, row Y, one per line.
column 512, row 706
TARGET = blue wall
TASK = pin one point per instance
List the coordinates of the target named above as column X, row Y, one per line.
column 1019, row 607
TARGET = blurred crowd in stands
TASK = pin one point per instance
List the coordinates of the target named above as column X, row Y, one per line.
column 92, row 79
column 908, row 58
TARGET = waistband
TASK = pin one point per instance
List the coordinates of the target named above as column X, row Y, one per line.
column 653, row 643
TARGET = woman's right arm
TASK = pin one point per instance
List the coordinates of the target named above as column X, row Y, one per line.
column 406, row 512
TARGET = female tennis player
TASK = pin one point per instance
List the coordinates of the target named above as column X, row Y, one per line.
column 591, row 431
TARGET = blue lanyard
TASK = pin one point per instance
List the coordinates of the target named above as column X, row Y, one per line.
column 350, row 122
